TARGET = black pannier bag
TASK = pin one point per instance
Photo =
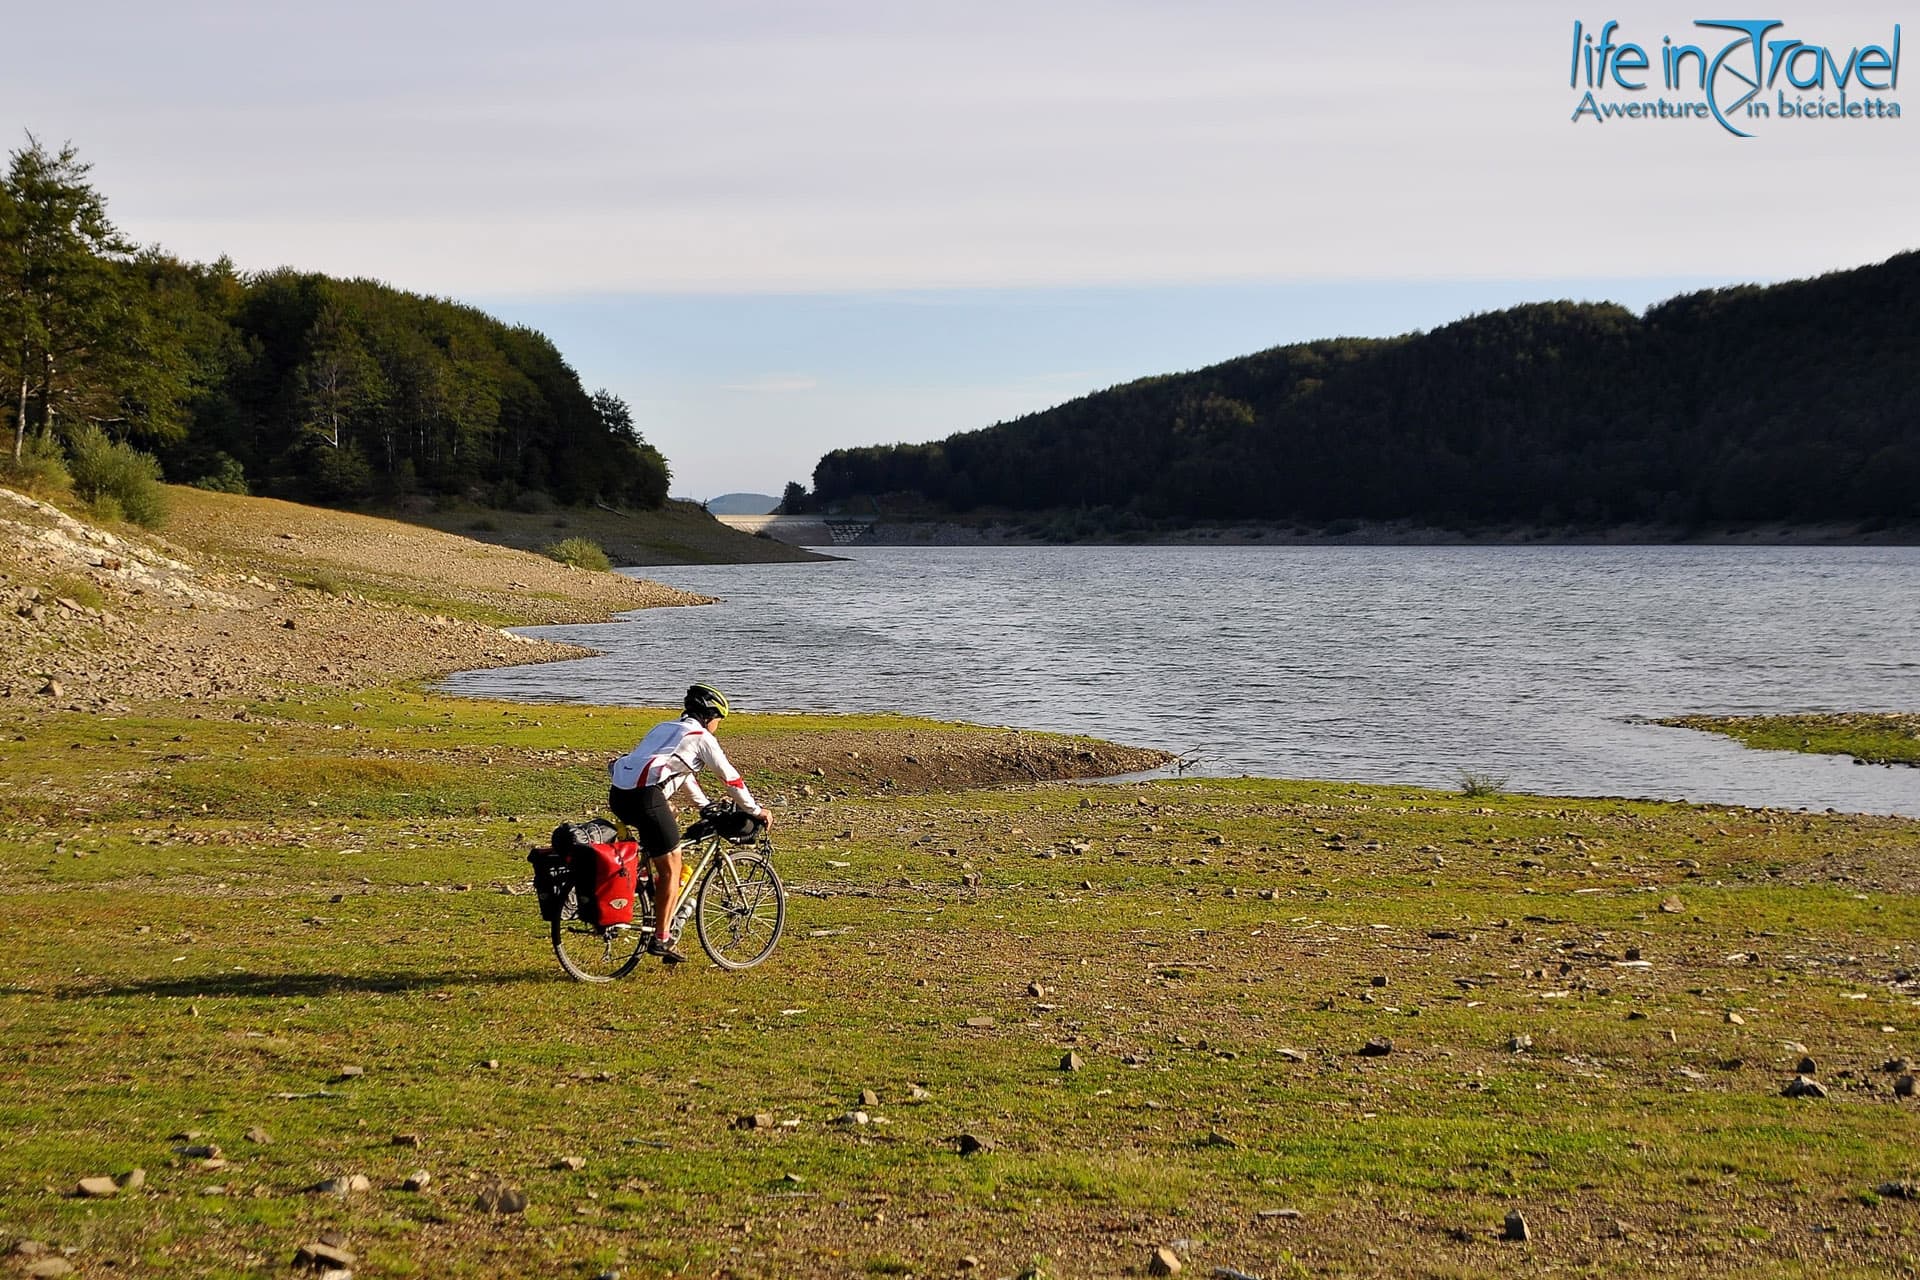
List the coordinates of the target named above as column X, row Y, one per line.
column 569, row 836
column 552, row 880
column 730, row 823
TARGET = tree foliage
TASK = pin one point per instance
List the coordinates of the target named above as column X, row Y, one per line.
column 290, row 382
column 1798, row 403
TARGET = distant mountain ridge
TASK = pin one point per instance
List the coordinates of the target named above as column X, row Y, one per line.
column 1797, row 402
column 743, row 504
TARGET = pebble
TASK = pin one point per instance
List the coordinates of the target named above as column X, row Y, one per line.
column 758, row 1120
column 1036, row 990
column 1673, row 906
column 1515, row 1228
column 50, row 1268
column 1164, row 1262
column 969, row 1263
column 345, row 1184
column 501, row 1199
column 258, row 1136
column 418, row 1180
column 1807, row 1067
column 1071, row 1062
column 320, row 1255
column 96, row 1188
column 1804, row 1087
column 1378, row 1047
column 980, row 1024
column 572, row 1164
column 855, row 1119
column 352, row 1073
column 1736, row 1019
column 1904, row 1087
column 1900, row 1190
column 133, row 1179
column 868, row 1098
column 1520, row 1044
column 1279, row 1215
column 406, row 1140
column 972, row 1144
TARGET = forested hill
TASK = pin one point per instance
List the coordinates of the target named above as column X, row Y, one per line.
column 1797, row 402
column 282, row 382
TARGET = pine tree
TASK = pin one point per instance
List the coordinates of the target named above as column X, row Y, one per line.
column 63, row 301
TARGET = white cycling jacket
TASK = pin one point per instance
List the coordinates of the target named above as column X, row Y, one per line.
column 671, row 754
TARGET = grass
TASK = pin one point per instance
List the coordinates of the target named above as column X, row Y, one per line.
column 1869, row 737
column 207, row 918
column 679, row 533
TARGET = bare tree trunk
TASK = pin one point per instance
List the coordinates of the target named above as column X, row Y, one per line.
column 20, row 421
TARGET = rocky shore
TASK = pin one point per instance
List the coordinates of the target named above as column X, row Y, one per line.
column 246, row 596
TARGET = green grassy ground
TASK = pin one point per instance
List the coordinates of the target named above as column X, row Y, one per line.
column 1875, row 738
column 679, row 533
column 206, row 920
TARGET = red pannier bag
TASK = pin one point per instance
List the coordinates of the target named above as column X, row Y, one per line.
column 604, row 879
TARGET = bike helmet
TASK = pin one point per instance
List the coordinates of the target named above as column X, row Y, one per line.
column 704, row 702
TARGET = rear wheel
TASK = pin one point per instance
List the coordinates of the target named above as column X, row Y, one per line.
column 740, row 910
column 591, row 954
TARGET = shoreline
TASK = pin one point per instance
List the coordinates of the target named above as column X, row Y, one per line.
column 828, row 533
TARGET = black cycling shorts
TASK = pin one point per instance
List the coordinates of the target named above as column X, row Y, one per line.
column 645, row 809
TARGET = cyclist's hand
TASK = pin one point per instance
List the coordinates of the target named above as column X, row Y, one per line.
column 766, row 818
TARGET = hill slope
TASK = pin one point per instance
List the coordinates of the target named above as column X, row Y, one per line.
column 1798, row 402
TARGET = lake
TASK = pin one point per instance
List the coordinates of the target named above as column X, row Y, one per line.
column 1380, row 664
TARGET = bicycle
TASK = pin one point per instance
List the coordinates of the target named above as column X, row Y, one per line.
column 736, row 901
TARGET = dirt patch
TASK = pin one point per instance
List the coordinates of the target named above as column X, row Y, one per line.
column 911, row 760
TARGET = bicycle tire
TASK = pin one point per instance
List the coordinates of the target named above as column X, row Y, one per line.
column 740, row 910
column 588, row 954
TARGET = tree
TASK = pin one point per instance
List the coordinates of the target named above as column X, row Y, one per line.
column 615, row 416
column 62, row 299
column 795, row 500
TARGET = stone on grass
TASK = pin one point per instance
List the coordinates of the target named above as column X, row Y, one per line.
column 1900, row 1190
column 758, row 1120
column 1071, row 1062
column 351, row 1073
column 972, row 1144
column 1736, row 1019
column 1164, row 1262
column 96, row 1188
column 133, row 1179
column 1291, row 1055
column 200, row 1151
column 418, row 1180
column 50, row 1268
column 1515, row 1227
column 319, row 1256
column 1807, row 1067
column 980, row 1024
column 1036, row 990
column 868, row 1098
column 407, row 1140
column 572, row 1164
column 500, row 1198
column 1804, row 1087
column 1672, row 905
column 1905, row 1087
column 258, row 1136
column 345, row 1184
column 854, row 1119
column 1520, row 1043
column 1378, row 1047
column 1278, row 1215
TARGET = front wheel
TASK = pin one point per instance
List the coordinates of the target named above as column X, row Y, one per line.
column 740, row 910
column 591, row 954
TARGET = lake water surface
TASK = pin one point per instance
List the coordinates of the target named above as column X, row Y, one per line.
column 1386, row 664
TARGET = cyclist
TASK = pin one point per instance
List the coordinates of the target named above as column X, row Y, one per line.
column 646, row 777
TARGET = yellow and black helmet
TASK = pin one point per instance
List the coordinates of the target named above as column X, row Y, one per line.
column 704, row 702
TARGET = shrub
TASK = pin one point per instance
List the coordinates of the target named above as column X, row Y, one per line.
column 581, row 553
column 105, row 469
column 227, row 476
column 42, row 468
column 1478, row 785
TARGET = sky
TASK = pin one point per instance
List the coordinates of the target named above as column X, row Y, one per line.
column 778, row 227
